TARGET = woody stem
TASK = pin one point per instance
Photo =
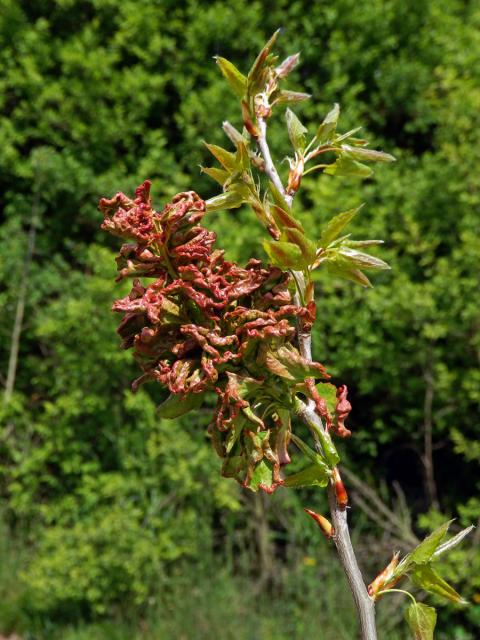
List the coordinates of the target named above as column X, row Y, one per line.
column 364, row 604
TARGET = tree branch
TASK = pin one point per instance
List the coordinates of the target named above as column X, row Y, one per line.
column 365, row 605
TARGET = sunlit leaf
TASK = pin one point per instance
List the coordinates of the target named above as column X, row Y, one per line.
column 425, row 577
column 236, row 79
column 296, row 131
column 336, row 225
column 328, row 126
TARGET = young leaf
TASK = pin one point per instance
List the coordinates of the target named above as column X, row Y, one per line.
column 296, row 131
column 424, row 551
column 421, row 620
column 336, row 226
column 306, row 246
column 226, row 158
column 236, row 79
column 312, row 455
column 367, row 155
column 219, row 175
column 425, row 577
column 362, row 260
column 284, row 254
column 227, row 200
column 284, row 220
column 328, row 126
column 427, row 547
column 341, row 270
column 347, row 166
column 177, row 404
column 312, row 476
column 289, row 97
column 255, row 75
column 453, row 542
column 278, row 197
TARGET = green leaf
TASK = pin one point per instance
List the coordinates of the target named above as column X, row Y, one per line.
column 329, row 450
column 290, row 97
column 347, row 166
column 296, row 131
column 361, row 243
column 284, row 220
column 306, row 246
column 348, row 273
column 424, row 551
column 242, row 157
column 312, row 455
column 288, row 363
column 262, row 475
column 367, row 155
column 453, row 542
column 336, row 226
column 227, row 200
column 362, row 260
column 313, row 476
column 256, row 76
column 421, row 619
column 177, row 404
column 328, row 392
column 427, row 547
column 284, row 254
column 236, row 79
column 328, row 126
column 425, row 577
column 219, row 175
column 278, row 197
column 226, row 158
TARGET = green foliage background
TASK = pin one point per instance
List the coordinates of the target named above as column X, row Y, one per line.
column 119, row 521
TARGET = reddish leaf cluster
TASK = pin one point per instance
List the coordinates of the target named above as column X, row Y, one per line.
column 207, row 324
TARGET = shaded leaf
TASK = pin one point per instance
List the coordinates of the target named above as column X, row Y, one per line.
column 312, row 455
column 421, row 619
column 348, row 273
column 177, row 404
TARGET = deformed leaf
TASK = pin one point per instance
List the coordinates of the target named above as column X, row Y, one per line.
column 227, row 200
column 328, row 126
column 296, row 130
column 421, row 619
column 313, row 475
column 178, row 404
column 236, row 79
column 284, row 254
column 425, row 577
column 336, row 225
column 328, row 392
